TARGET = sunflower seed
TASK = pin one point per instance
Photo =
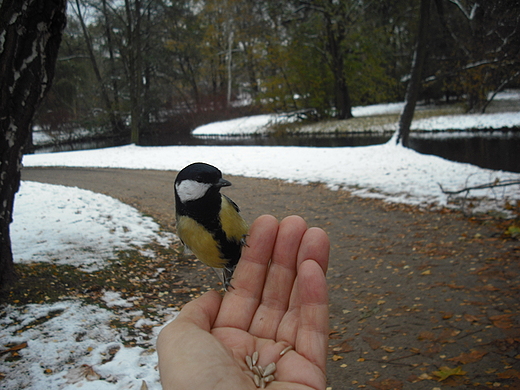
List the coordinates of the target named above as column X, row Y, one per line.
column 256, row 378
column 255, row 358
column 259, row 370
column 270, row 369
column 269, row 378
column 249, row 362
column 286, row 349
column 262, row 383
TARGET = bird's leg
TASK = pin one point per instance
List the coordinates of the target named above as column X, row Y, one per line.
column 227, row 274
column 224, row 275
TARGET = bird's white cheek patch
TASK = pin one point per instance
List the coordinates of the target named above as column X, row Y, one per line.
column 191, row 190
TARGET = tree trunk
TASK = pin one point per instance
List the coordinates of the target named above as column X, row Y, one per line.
column 135, row 67
column 414, row 85
column 335, row 36
column 30, row 33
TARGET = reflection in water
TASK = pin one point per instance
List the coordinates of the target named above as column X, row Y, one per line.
column 495, row 150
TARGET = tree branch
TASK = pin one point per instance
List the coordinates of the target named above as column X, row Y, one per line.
column 481, row 186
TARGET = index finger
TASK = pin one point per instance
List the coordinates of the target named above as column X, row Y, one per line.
column 240, row 303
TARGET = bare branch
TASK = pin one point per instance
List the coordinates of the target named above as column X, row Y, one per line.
column 481, row 186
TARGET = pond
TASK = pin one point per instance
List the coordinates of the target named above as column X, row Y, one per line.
column 497, row 150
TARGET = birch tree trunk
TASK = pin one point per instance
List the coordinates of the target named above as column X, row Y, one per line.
column 30, row 35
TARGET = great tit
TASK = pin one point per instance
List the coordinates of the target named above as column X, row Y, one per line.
column 208, row 222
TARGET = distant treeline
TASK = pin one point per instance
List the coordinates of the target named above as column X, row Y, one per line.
column 136, row 66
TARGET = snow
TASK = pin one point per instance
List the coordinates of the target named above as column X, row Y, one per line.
column 69, row 350
column 378, row 109
column 255, row 124
column 470, row 121
column 71, row 343
column 83, row 229
column 258, row 124
column 383, row 171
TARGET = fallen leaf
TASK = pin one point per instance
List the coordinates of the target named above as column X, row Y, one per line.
column 509, row 374
column 342, row 347
column 425, row 376
column 447, row 315
column 77, row 374
column 387, row 384
column 337, row 357
column 372, row 342
column 445, row 372
column 471, row 357
column 447, row 334
column 502, row 321
column 426, row 335
column 14, row 348
column 470, row 318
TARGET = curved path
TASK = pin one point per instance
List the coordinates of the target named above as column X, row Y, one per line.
column 409, row 289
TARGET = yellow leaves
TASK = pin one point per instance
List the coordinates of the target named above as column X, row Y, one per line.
column 445, row 372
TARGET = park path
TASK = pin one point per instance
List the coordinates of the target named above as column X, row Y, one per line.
column 416, row 296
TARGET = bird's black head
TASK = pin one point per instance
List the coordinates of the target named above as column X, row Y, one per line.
column 198, row 180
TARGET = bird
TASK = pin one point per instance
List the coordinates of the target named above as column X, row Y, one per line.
column 209, row 223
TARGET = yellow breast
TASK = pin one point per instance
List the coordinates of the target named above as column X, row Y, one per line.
column 200, row 242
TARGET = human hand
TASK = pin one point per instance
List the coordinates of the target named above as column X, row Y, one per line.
column 279, row 299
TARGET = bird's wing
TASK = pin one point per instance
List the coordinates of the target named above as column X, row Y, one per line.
column 187, row 250
column 232, row 203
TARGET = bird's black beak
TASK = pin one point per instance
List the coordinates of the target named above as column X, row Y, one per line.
column 223, row 183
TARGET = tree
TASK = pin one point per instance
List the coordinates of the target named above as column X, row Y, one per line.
column 111, row 105
column 30, row 33
column 414, row 85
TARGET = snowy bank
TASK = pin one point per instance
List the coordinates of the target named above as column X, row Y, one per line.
column 76, row 227
column 385, row 171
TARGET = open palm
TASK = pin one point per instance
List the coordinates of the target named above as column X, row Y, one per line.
column 279, row 300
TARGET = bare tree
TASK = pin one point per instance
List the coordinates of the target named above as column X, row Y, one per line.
column 30, row 36
column 110, row 105
column 414, row 85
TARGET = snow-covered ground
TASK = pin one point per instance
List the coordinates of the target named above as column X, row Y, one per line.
column 382, row 171
column 71, row 349
column 71, row 344
column 72, row 226
column 259, row 124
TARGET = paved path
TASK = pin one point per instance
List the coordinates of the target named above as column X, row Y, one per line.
column 411, row 291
